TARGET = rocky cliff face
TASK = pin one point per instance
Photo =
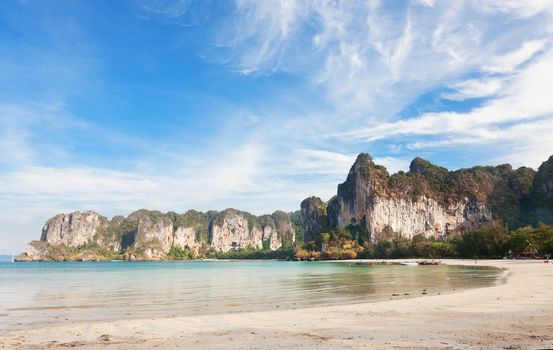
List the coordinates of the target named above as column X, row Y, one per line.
column 149, row 235
column 36, row 251
column 232, row 230
column 408, row 204
column 424, row 216
column 153, row 235
column 543, row 192
column 73, row 229
column 283, row 232
column 185, row 237
column 432, row 201
column 314, row 217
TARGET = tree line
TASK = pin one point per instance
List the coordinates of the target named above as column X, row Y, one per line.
column 489, row 242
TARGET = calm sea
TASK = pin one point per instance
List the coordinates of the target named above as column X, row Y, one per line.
column 78, row 291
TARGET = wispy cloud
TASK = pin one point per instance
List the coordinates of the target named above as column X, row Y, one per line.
column 26, row 131
column 508, row 62
column 518, row 116
column 474, row 88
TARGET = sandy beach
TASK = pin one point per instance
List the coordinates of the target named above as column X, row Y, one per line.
column 515, row 314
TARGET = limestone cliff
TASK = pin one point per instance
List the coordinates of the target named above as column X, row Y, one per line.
column 231, row 230
column 408, row 204
column 149, row 235
column 73, row 229
column 153, row 234
column 283, row 232
column 430, row 200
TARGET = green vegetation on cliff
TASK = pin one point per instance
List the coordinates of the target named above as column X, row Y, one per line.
column 178, row 253
column 314, row 217
column 252, row 253
column 298, row 225
column 542, row 192
column 192, row 218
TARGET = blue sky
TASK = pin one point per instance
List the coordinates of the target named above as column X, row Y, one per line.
column 171, row 105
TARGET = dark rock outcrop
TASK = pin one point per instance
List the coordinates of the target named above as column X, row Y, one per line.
column 314, row 217
column 542, row 192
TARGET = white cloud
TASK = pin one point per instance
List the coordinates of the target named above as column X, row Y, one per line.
column 508, row 62
column 261, row 51
column 309, row 161
column 520, row 119
column 392, row 164
column 171, row 9
column 212, row 178
column 474, row 88
column 429, row 3
column 528, row 144
column 25, row 129
column 517, row 8
column 371, row 59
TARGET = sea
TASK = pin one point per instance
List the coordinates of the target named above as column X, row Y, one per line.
column 61, row 292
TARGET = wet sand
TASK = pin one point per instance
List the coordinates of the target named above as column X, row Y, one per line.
column 515, row 314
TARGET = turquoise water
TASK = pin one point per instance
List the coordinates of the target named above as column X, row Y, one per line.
column 78, row 291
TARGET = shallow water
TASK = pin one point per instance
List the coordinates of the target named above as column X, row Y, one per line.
column 76, row 291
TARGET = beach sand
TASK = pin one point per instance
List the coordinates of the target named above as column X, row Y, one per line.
column 515, row 314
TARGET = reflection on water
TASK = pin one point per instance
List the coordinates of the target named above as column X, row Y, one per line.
column 66, row 292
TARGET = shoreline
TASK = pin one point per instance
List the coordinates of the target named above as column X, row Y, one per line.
column 456, row 261
column 517, row 312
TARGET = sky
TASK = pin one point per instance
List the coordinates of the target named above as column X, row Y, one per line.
column 114, row 106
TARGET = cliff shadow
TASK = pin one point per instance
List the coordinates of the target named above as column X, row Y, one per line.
column 127, row 239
